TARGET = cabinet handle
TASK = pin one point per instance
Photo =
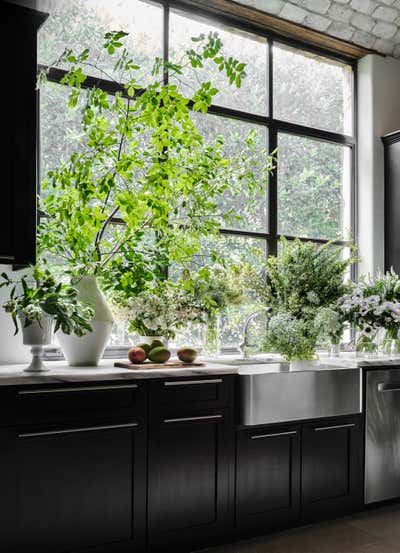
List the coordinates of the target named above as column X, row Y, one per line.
column 383, row 388
column 191, row 382
column 79, row 389
column 80, row 429
column 276, row 434
column 336, row 427
column 189, row 419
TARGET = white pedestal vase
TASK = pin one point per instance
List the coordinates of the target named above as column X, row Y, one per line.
column 37, row 335
column 87, row 350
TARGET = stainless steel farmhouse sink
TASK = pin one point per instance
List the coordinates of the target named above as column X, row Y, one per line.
column 273, row 393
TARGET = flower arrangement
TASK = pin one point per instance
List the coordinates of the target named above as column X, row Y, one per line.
column 301, row 283
column 42, row 294
column 161, row 310
column 164, row 306
column 371, row 306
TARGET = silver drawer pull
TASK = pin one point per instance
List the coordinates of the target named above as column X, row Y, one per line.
column 383, row 388
column 80, row 389
column 321, row 428
column 275, row 435
column 188, row 419
column 191, row 382
column 80, row 429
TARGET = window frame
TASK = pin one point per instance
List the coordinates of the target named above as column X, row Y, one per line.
column 274, row 126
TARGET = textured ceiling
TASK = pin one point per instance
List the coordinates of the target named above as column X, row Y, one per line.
column 373, row 24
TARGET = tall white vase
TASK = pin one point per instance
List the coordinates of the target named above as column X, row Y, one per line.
column 87, row 350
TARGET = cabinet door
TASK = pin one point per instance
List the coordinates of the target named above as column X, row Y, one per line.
column 189, row 469
column 331, row 468
column 8, row 491
column 267, row 477
column 18, row 155
column 81, row 488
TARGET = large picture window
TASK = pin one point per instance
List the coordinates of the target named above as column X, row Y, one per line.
column 298, row 100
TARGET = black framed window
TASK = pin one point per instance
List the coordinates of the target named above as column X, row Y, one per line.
column 297, row 98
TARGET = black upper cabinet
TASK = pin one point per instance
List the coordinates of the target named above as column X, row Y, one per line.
column 392, row 200
column 18, row 158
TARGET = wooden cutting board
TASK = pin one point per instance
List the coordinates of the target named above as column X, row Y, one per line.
column 148, row 365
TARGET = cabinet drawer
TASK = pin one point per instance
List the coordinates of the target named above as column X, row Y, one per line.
column 42, row 404
column 209, row 391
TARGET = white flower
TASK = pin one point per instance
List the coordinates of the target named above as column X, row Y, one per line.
column 313, row 298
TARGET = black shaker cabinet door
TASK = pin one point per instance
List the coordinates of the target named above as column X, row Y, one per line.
column 331, row 468
column 267, row 479
column 188, row 479
column 8, row 499
column 82, row 489
column 18, row 154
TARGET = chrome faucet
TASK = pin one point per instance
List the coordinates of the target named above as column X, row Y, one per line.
column 245, row 346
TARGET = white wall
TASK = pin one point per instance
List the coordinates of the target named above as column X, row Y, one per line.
column 378, row 114
column 12, row 349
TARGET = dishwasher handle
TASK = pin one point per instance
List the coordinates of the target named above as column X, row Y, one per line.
column 382, row 387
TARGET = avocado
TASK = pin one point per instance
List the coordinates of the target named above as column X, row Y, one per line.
column 146, row 347
column 159, row 354
column 156, row 344
column 187, row 354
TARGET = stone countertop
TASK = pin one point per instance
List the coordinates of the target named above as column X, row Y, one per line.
column 61, row 373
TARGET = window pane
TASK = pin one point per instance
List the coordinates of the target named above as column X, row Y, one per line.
column 231, row 322
column 245, row 47
column 312, row 90
column 252, row 207
column 313, row 188
column 80, row 24
column 60, row 129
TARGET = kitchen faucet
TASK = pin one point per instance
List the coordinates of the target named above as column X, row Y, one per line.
column 245, row 346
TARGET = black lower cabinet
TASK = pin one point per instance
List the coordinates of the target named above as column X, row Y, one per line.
column 267, row 478
column 82, row 489
column 190, row 469
column 291, row 475
column 332, row 468
column 8, row 499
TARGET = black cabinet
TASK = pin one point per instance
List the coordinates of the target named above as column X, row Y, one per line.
column 190, row 466
column 392, row 201
column 18, row 157
column 8, row 482
column 268, row 478
column 79, row 488
column 331, row 472
column 287, row 475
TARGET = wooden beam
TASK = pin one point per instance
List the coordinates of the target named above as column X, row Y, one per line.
column 278, row 26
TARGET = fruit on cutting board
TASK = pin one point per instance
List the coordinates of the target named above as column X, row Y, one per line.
column 146, row 347
column 156, row 344
column 187, row 354
column 137, row 355
column 159, row 354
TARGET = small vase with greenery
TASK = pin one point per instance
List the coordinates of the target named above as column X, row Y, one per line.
column 141, row 170
column 37, row 301
column 297, row 285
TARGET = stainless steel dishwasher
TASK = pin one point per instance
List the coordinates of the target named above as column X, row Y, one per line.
column 382, row 445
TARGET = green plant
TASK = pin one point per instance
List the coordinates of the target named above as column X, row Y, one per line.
column 299, row 284
column 290, row 336
column 142, row 160
column 39, row 292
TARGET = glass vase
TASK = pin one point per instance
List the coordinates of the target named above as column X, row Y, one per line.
column 367, row 345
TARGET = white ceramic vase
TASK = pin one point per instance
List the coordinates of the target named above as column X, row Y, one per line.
column 37, row 335
column 87, row 350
